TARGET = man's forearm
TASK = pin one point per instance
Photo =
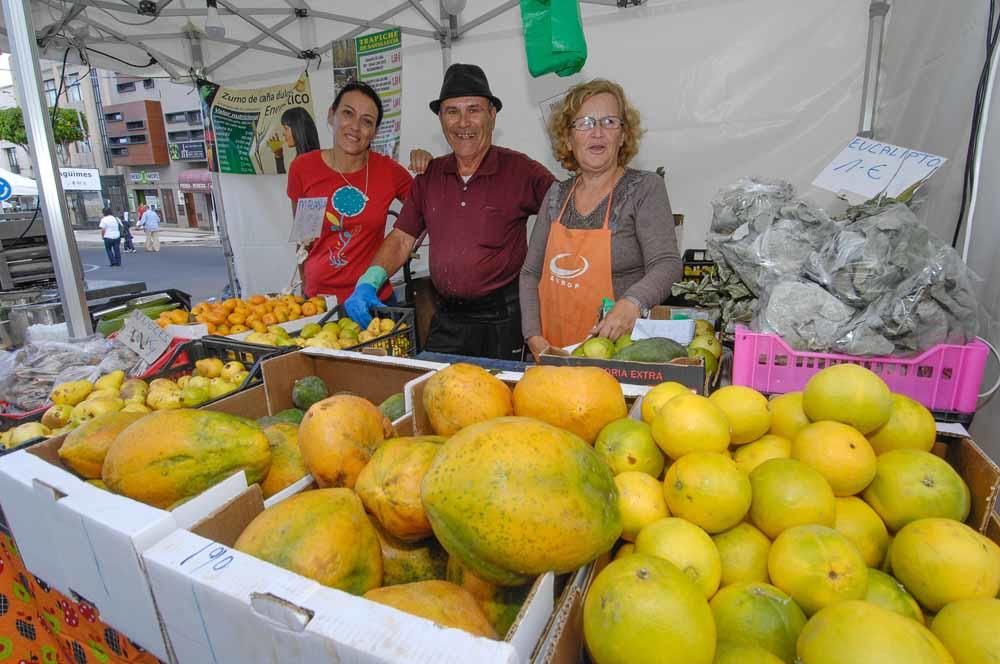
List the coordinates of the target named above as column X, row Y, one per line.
column 394, row 252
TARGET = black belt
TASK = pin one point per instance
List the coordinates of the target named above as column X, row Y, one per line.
column 498, row 299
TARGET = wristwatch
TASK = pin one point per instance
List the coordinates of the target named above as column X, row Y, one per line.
column 643, row 310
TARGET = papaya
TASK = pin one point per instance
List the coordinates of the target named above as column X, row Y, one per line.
column 407, row 562
column 287, row 466
column 651, row 350
column 309, row 390
column 170, row 455
column 514, row 497
column 324, row 535
column 439, row 601
column 500, row 605
column 337, row 438
column 464, row 394
column 389, row 486
column 85, row 447
column 394, row 407
column 581, row 400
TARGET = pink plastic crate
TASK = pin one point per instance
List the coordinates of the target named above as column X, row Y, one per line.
column 945, row 379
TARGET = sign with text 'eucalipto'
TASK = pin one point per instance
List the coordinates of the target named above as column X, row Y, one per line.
column 868, row 168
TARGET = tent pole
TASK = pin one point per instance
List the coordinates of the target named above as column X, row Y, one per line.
column 223, row 232
column 446, row 39
column 62, row 243
column 873, row 61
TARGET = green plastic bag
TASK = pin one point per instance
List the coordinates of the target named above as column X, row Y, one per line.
column 553, row 36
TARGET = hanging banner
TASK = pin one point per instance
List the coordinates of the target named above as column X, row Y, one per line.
column 377, row 60
column 245, row 134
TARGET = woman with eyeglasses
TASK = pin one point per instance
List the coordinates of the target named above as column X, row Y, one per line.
column 606, row 232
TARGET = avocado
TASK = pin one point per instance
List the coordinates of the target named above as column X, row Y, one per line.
column 651, row 350
column 307, row 391
column 394, row 407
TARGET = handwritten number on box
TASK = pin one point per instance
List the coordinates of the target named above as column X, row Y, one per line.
column 214, row 554
column 145, row 337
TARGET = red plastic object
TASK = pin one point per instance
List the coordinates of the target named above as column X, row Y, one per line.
column 945, row 378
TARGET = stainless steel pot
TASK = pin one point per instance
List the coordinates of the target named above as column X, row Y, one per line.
column 25, row 315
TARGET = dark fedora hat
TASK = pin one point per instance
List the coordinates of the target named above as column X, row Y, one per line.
column 465, row 81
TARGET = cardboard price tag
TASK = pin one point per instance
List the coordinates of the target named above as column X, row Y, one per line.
column 867, row 168
column 212, row 554
column 144, row 336
column 308, row 224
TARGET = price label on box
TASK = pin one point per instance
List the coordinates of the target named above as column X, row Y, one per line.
column 144, row 336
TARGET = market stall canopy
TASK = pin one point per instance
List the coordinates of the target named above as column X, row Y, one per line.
column 20, row 185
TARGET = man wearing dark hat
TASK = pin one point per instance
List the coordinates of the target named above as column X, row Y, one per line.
column 474, row 205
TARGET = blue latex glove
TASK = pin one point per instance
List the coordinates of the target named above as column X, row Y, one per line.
column 359, row 304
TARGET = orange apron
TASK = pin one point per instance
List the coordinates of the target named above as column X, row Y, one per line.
column 576, row 276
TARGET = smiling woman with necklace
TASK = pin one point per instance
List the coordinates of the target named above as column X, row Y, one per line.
column 359, row 186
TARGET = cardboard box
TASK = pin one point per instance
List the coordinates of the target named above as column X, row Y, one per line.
column 686, row 371
column 563, row 641
column 221, row 605
column 86, row 541
column 372, row 377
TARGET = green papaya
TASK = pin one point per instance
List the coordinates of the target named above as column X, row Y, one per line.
column 651, row 350
column 394, row 407
column 307, row 391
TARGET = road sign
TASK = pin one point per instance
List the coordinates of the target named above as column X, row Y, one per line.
column 6, row 191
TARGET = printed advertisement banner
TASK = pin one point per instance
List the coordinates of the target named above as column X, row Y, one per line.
column 377, row 60
column 245, row 134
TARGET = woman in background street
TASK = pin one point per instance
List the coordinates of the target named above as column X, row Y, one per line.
column 111, row 232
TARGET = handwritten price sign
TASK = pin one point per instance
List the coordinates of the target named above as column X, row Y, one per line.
column 308, row 224
column 143, row 336
column 868, row 168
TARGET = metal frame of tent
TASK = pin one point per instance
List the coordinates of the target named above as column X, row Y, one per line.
column 51, row 41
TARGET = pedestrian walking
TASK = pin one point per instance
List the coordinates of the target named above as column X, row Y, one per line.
column 111, row 232
column 150, row 224
column 127, row 246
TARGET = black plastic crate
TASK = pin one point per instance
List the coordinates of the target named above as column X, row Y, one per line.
column 399, row 342
column 181, row 361
column 697, row 264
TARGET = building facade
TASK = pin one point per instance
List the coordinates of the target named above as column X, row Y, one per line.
column 156, row 136
column 145, row 136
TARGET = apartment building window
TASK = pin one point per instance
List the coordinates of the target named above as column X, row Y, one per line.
column 194, row 117
column 137, row 138
column 126, row 87
column 82, row 147
column 12, row 160
column 112, row 117
column 197, row 134
column 118, row 140
column 179, row 135
column 135, row 124
column 148, row 83
column 175, row 118
column 119, row 152
column 50, row 91
column 73, row 88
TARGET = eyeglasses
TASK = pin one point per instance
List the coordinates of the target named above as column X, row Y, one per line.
column 586, row 123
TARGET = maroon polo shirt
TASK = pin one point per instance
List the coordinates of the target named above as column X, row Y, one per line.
column 478, row 229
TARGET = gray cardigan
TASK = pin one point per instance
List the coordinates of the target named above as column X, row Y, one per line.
column 644, row 258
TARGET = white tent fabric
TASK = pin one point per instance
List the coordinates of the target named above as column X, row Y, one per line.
column 20, row 185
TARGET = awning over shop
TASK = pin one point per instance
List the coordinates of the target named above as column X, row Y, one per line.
column 19, row 185
column 195, row 179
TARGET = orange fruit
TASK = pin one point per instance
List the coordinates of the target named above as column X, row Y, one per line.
column 308, row 309
column 269, row 319
column 841, row 455
column 236, row 319
column 257, row 299
column 222, row 329
column 817, row 566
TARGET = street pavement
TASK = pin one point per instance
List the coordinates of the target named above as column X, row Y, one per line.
column 195, row 267
column 183, row 236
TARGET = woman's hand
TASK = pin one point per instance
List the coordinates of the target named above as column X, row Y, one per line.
column 537, row 345
column 420, row 160
column 619, row 321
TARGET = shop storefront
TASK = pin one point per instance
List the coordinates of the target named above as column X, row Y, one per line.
column 195, row 189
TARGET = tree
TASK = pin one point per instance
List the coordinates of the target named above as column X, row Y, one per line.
column 66, row 127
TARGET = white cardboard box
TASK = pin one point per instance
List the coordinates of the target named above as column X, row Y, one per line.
column 81, row 539
column 220, row 605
